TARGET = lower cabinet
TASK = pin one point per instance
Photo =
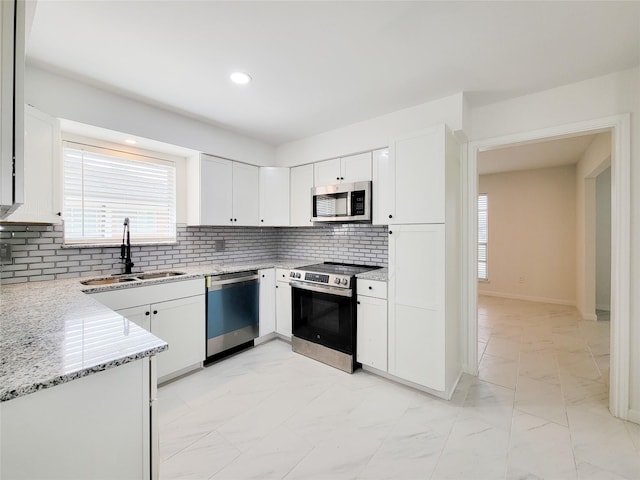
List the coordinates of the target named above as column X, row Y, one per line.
column 173, row 312
column 371, row 346
column 267, row 301
column 180, row 323
column 95, row 427
column 283, row 303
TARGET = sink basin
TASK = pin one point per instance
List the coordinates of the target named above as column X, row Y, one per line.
column 108, row 281
column 152, row 275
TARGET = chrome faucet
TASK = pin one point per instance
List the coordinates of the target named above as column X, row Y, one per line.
column 125, row 250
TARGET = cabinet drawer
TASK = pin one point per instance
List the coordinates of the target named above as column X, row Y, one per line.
column 372, row 288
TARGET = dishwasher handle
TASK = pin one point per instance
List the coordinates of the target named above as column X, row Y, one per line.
column 219, row 281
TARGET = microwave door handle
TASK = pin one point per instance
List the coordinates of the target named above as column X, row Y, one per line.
column 349, row 194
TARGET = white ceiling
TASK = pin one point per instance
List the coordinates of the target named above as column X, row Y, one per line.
column 541, row 154
column 317, row 66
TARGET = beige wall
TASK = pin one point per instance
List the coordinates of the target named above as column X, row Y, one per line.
column 532, row 234
column 603, row 240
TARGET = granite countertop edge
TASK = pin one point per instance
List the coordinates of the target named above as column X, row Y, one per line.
column 36, row 315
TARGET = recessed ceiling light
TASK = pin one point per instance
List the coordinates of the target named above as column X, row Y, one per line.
column 240, row 78
column 130, row 141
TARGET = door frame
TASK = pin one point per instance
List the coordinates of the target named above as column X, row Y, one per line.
column 620, row 127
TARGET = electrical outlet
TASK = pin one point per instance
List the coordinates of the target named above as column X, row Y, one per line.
column 6, row 257
column 521, row 280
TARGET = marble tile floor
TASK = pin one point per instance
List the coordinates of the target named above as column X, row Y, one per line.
column 537, row 410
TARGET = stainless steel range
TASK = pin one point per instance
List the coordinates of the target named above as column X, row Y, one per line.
column 324, row 313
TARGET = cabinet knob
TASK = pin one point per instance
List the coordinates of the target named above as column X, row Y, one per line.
column 231, row 219
column 155, row 312
column 235, row 219
column 341, row 178
column 147, row 313
column 262, row 219
column 370, row 288
column 390, row 216
column 59, row 214
column 262, row 276
column 276, row 286
column 358, row 302
column 390, row 232
column 337, row 178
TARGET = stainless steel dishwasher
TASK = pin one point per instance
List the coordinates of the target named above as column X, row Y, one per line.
column 232, row 312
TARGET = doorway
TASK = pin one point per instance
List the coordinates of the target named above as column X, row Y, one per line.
column 620, row 236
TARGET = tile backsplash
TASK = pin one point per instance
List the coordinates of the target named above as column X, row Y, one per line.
column 38, row 252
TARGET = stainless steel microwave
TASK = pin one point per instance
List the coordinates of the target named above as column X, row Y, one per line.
column 343, row 202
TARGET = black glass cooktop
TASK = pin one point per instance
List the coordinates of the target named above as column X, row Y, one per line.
column 338, row 268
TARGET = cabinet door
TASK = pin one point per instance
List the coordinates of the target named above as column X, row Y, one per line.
column 372, row 332
column 141, row 315
column 355, row 168
column 384, row 188
column 417, row 304
column 283, row 309
column 326, row 172
column 267, row 301
column 420, row 177
column 301, row 185
column 274, row 196
column 41, row 153
column 180, row 323
column 215, row 191
column 246, row 194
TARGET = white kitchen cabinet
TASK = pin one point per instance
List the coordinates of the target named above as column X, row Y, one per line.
column 354, row 168
column 411, row 185
column 222, row 192
column 423, row 307
column 267, row 301
column 300, row 205
column 283, row 303
column 12, row 55
column 274, row 196
column 372, row 324
column 174, row 312
column 41, row 157
column 95, row 427
column 246, row 194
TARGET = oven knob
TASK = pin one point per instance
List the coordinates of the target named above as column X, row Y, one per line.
column 292, row 274
column 337, row 281
column 344, row 281
column 297, row 275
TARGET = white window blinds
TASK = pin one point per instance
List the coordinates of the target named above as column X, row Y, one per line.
column 483, row 236
column 102, row 187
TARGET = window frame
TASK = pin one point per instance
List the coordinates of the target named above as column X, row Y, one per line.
column 118, row 151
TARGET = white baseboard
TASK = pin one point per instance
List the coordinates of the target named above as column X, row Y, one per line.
column 529, row 298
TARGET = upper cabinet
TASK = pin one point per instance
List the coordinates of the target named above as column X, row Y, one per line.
column 354, row 168
column 41, row 159
column 222, row 192
column 411, row 181
column 274, row 196
column 12, row 51
column 301, row 185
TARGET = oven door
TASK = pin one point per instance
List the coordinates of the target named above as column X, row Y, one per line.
column 324, row 315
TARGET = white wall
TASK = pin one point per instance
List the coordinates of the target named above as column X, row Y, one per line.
column 601, row 97
column 72, row 100
column 374, row 133
column 531, row 234
column 594, row 160
column 603, row 240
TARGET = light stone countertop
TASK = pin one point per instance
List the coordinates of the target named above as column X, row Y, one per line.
column 381, row 275
column 52, row 332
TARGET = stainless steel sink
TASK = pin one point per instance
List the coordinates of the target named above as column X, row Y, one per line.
column 152, row 275
column 108, row 281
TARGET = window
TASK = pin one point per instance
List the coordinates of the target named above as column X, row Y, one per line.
column 483, row 235
column 102, row 186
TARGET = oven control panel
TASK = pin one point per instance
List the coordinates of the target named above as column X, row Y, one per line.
column 323, row 278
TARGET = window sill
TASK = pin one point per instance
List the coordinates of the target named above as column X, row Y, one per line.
column 111, row 245
column 483, row 280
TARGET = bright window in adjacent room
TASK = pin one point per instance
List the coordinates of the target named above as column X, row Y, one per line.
column 483, row 236
column 102, row 186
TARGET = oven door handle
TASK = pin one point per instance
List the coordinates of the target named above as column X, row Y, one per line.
column 343, row 292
